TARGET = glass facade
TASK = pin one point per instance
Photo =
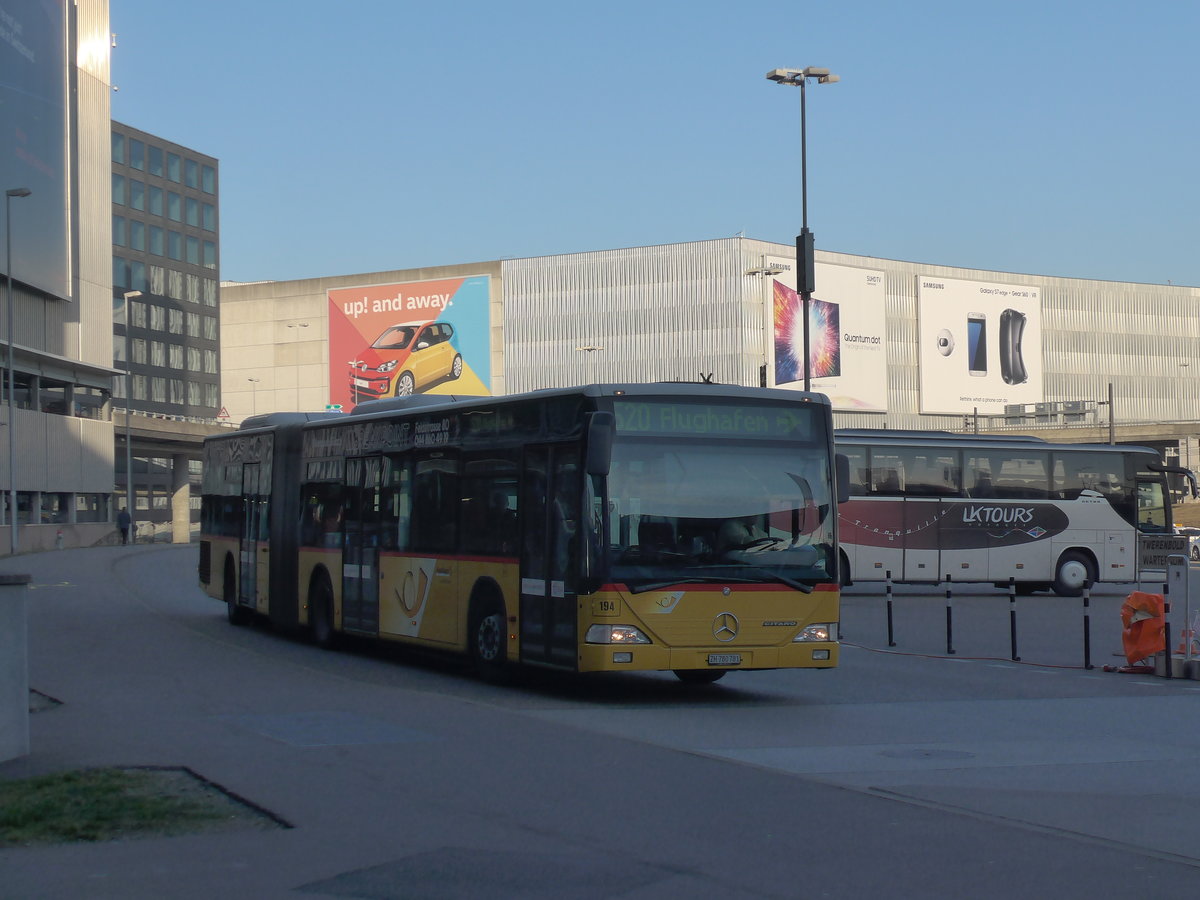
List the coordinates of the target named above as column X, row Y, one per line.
column 166, row 245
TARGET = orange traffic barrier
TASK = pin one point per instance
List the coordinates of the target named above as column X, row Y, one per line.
column 1143, row 635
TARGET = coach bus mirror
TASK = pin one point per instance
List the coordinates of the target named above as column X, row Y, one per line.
column 601, row 426
column 841, row 464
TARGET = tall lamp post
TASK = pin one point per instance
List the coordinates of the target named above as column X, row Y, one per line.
column 298, row 326
column 129, row 295
column 12, row 443
column 254, row 393
column 805, row 266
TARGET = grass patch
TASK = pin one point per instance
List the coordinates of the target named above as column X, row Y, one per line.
column 110, row 804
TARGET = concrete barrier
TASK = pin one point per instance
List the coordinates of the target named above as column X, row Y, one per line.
column 14, row 666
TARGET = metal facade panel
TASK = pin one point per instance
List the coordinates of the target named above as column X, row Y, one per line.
column 664, row 313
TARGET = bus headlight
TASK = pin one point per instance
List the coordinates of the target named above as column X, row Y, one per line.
column 823, row 631
column 615, row 634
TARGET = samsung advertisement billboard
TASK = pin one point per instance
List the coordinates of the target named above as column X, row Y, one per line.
column 33, row 145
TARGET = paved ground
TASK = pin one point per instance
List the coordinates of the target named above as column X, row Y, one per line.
column 905, row 773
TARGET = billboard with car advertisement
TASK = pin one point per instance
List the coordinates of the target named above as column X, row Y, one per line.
column 847, row 341
column 420, row 337
column 980, row 345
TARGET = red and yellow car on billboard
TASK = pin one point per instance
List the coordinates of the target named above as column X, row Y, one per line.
column 407, row 358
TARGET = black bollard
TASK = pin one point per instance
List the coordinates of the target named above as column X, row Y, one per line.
column 1012, row 617
column 949, row 619
column 1087, row 625
column 891, row 631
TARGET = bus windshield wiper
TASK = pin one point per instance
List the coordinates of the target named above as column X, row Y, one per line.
column 790, row 582
column 690, row 579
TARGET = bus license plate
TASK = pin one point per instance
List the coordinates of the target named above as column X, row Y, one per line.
column 724, row 659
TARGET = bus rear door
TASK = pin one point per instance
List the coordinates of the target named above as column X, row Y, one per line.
column 360, row 545
column 253, row 581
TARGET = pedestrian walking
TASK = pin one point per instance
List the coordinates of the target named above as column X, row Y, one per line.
column 123, row 522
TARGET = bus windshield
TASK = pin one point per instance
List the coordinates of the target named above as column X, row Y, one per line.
column 689, row 510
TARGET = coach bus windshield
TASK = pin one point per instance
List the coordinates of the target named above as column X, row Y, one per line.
column 685, row 511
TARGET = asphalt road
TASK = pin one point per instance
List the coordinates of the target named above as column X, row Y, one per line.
column 907, row 772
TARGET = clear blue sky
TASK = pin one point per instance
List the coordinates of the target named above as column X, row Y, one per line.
column 1055, row 137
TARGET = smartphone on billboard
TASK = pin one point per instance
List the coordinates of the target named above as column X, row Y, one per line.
column 977, row 343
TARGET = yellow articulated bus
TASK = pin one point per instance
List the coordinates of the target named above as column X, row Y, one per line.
column 648, row 527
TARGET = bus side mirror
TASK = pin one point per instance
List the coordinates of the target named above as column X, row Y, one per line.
column 600, row 430
column 841, row 465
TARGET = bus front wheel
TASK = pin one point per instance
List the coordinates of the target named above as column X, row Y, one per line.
column 1075, row 571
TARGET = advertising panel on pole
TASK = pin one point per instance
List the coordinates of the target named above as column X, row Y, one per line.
column 847, row 340
column 420, row 337
column 979, row 345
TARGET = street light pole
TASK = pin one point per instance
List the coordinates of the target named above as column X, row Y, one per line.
column 129, row 295
column 254, row 393
column 12, row 427
column 805, row 263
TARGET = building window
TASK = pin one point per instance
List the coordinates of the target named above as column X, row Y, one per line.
column 137, row 154
column 191, row 174
column 210, row 292
column 119, row 230
column 156, row 201
column 137, row 235
column 211, row 396
column 91, row 508
column 193, row 250
column 174, row 207
column 192, row 212
column 193, row 391
column 137, row 275
column 139, row 387
column 173, row 166
column 158, row 280
column 175, row 321
column 53, row 397
column 210, row 328
column 156, row 161
column 208, row 179
column 138, row 350
column 210, row 362
column 90, row 402
column 137, row 313
column 175, row 245
column 210, row 255
column 156, row 242
column 137, row 194
column 118, row 148
column 158, row 318
column 118, row 189
column 193, row 324
column 193, row 359
column 158, row 354
column 120, row 273
column 158, row 390
column 193, row 288
column 208, row 219
column 177, row 392
column 175, row 356
column 175, row 285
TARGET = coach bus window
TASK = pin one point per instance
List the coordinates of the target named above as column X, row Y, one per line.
column 396, row 504
column 858, row 469
column 887, row 473
column 435, row 507
column 931, row 473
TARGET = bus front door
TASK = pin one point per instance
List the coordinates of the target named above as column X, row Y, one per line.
column 549, row 509
column 252, row 587
column 360, row 545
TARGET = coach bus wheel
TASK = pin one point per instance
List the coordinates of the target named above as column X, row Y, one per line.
column 237, row 615
column 487, row 641
column 1074, row 571
column 699, row 676
column 321, row 616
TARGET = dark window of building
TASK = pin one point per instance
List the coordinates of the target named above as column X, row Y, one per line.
column 137, row 194
column 191, row 174
column 137, row 235
column 174, row 207
column 193, row 251
column 118, row 189
column 210, row 255
column 120, row 273
column 53, row 396
column 209, row 217
column 156, row 161
column 118, row 148
column 156, row 201
column 173, row 166
column 174, row 245
column 156, row 240
column 119, row 230
column 208, row 179
column 90, row 402
column 137, row 154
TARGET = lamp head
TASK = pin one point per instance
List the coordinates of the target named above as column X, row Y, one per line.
column 18, row 192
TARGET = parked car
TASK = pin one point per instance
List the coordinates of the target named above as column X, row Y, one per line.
column 1193, row 536
column 405, row 359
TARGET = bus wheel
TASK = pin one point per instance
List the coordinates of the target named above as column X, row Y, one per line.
column 237, row 615
column 487, row 641
column 1075, row 569
column 321, row 616
column 699, row 676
